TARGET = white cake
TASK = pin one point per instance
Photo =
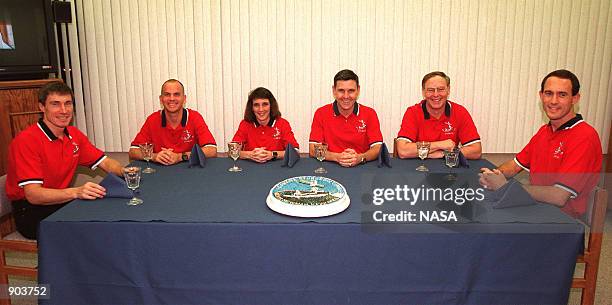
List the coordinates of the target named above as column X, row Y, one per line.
column 308, row 196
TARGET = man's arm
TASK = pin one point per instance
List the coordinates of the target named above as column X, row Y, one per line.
column 329, row 156
column 135, row 153
column 38, row 195
column 472, row 151
column 111, row 165
column 510, row 168
column 549, row 194
column 406, row 149
column 209, row 151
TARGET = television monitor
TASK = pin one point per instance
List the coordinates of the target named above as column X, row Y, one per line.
column 27, row 39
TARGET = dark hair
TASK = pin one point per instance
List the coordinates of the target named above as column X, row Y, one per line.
column 261, row 93
column 54, row 87
column 564, row 74
column 346, row 75
column 434, row 74
column 172, row 80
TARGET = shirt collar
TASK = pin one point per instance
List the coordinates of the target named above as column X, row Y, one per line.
column 183, row 119
column 47, row 131
column 337, row 110
column 271, row 123
column 447, row 109
column 571, row 123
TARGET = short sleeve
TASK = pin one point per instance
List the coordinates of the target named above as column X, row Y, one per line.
column 144, row 135
column 241, row 134
column 287, row 135
column 409, row 128
column 317, row 129
column 468, row 134
column 89, row 155
column 581, row 165
column 205, row 137
column 373, row 130
column 25, row 155
column 523, row 158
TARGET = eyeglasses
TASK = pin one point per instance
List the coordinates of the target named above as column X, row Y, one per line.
column 434, row 90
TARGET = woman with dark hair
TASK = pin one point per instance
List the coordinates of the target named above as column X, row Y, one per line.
column 264, row 134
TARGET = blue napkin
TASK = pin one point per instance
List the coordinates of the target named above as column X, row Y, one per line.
column 291, row 156
column 116, row 187
column 197, row 157
column 512, row 194
column 383, row 157
column 463, row 162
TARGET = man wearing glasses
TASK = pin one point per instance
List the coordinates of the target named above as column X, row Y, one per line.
column 442, row 123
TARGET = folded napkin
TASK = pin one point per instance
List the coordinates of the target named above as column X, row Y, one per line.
column 463, row 162
column 383, row 157
column 116, row 187
column 512, row 194
column 197, row 157
column 291, row 156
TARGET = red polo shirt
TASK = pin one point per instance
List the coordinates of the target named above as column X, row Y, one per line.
column 36, row 155
column 455, row 124
column 359, row 131
column 569, row 158
column 274, row 136
column 181, row 139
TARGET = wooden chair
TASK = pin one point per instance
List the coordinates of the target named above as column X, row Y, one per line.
column 595, row 218
column 12, row 241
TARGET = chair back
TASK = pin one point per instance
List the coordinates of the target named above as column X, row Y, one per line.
column 5, row 204
column 595, row 218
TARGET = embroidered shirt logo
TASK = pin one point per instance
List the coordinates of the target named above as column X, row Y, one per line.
column 276, row 134
column 362, row 126
column 558, row 153
column 75, row 148
column 448, row 128
column 187, row 136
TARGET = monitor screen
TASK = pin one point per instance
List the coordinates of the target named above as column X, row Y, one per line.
column 26, row 41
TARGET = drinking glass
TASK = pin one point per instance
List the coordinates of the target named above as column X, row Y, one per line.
column 234, row 153
column 132, row 179
column 147, row 154
column 423, row 151
column 320, row 151
column 451, row 159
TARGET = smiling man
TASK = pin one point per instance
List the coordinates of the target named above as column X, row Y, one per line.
column 563, row 158
column 43, row 158
column 174, row 129
column 442, row 123
column 351, row 130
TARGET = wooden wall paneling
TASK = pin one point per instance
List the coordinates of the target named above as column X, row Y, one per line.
column 18, row 110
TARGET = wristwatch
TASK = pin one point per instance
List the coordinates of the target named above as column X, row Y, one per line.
column 274, row 155
column 184, row 157
column 363, row 160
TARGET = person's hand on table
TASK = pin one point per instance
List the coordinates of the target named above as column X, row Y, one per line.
column 436, row 154
column 261, row 155
column 348, row 158
column 167, row 156
column 491, row 179
column 447, row 144
column 89, row 191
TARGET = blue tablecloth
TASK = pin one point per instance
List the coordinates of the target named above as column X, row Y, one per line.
column 206, row 236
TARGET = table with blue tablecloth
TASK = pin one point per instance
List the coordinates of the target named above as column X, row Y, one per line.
column 206, row 236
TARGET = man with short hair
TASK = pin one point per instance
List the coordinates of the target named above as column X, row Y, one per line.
column 174, row 130
column 442, row 123
column 351, row 130
column 563, row 158
column 43, row 158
